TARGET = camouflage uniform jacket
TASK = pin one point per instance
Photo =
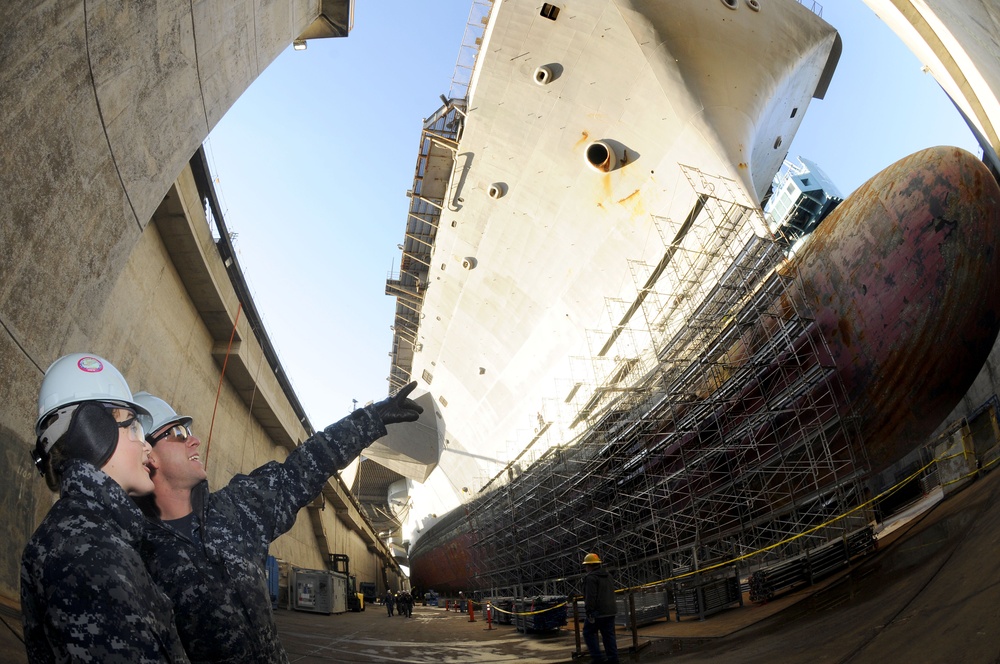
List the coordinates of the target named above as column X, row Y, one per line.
column 85, row 593
column 217, row 580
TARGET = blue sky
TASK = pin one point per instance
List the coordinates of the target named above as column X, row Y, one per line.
column 314, row 160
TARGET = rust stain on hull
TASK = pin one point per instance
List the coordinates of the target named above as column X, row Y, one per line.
column 631, row 197
column 446, row 568
column 634, row 203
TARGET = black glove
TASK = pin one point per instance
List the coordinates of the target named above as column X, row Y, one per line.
column 398, row 408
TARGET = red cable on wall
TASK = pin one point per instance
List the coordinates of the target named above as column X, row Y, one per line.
column 222, row 376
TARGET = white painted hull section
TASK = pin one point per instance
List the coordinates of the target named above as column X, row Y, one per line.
column 558, row 256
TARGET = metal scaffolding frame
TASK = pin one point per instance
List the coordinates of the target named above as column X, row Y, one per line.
column 716, row 432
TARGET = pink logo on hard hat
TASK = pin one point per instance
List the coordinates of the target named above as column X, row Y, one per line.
column 90, row 364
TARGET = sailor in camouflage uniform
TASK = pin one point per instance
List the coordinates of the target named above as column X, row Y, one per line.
column 85, row 594
column 207, row 550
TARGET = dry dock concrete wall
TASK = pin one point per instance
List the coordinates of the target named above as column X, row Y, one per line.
column 104, row 245
column 958, row 42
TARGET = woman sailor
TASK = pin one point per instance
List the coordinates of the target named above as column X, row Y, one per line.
column 85, row 593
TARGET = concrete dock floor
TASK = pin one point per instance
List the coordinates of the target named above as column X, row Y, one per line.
column 930, row 594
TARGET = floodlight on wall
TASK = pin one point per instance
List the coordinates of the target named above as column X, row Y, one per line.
column 299, row 44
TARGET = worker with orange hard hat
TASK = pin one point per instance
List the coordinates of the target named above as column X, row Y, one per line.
column 600, row 609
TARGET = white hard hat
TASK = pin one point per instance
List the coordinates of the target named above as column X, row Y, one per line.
column 161, row 412
column 80, row 377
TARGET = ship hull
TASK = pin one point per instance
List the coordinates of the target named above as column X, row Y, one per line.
column 901, row 281
column 535, row 241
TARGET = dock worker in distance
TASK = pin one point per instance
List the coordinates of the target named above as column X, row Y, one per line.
column 208, row 550
column 600, row 609
column 85, row 594
column 404, row 601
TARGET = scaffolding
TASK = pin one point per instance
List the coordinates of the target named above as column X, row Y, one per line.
column 716, row 435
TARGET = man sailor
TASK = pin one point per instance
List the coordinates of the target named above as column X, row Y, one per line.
column 207, row 550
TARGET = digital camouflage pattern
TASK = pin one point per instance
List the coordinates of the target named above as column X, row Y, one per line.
column 217, row 580
column 85, row 594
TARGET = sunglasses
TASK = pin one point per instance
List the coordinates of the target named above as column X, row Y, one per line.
column 179, row 432
column 131, row 423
